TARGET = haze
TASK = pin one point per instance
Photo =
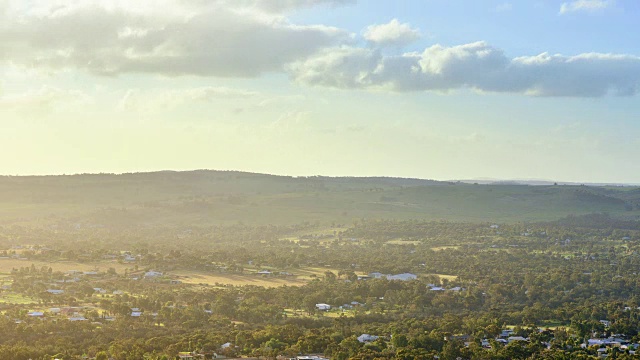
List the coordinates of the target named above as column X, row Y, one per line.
column 427, row 89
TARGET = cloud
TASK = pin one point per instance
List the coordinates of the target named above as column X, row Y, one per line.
column 207, row 38
column 391, row 33
column 44, row 98
column 477, row 66
column 290, row 119
column 248, row 38
column 162, row 100
column 504, row 7
column 288, row 5
column 138, row 100
column 585, row 5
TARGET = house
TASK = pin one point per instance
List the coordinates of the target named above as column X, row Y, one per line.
column 152, row 274
column 136, row 313
column 376, row 275
column 264, row 272
column 402, row 277
column 55, row 291
column 70, row 310
column 35, row 314
column 323, row 307
column 185, row 355
column 511, row 339
column 506, row 333
column 77, row 318
column 460, row 337
column 365, row 338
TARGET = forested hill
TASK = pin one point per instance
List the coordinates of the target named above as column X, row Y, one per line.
column 221, row 197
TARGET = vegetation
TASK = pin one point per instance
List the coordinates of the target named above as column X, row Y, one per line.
column 205, row 198
column 106, row 266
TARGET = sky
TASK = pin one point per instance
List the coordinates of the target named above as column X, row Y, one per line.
column 435, row 89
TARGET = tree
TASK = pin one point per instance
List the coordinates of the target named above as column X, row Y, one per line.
column 330, row 276
column 399, row 340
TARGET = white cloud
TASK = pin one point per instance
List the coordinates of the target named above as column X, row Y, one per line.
column 585, row 5
column 287, row 5
column 290, row 119
column 391, row 33
column 504, row 7
column 477, row 66
column 209, row 38
column 245, row 38
column 46, row 97
column 159, row 100
column 346, row 67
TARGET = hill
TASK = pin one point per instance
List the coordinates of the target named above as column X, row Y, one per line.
column 207, row 197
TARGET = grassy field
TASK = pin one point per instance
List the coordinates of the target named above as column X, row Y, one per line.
column 11, row 298
column 440, row 248
column 300, row 277
column 195, row 277
column 6, row 265
column 443, row 276
column 403, row 242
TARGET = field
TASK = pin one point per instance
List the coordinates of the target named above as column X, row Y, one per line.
column 196, row 277
column 16, row 299
column 299, row 277
column 6, row 265
column 445, row 247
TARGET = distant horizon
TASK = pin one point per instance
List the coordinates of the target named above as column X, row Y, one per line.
column 480, row 179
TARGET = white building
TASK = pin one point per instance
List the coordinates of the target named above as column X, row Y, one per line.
column 365, row 338
column 152, row 273
column 402, row 277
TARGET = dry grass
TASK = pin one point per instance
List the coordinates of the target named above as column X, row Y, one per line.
column 443, row 276
column 6, row 265
column 11, row 298
column 300, row 277
column 197, row 277
column 445, row 247
column 403, row 242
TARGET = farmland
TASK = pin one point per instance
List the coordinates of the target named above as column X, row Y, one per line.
column 160, row 264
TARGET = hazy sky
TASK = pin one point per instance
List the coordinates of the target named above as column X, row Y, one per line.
column 441, row 89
